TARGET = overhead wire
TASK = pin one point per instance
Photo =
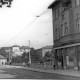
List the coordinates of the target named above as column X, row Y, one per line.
column 26, row 27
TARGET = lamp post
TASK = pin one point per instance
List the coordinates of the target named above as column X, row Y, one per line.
column 29, row 53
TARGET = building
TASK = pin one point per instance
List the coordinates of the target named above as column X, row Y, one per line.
column 19, row 50
column 16, row 51
column 3, row 60
column 66, row 31
column 25, row 49
column 15, row 48
column 46, row 49
column 42, row 51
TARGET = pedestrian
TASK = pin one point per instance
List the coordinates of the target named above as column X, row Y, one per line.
column 2, row 63
column 62, row 61
column 28, row 64
column 45, row 64
column 54, row 63
column 10, row 62
column 23, row 63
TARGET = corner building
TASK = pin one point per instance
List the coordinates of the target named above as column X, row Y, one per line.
column 66, row 33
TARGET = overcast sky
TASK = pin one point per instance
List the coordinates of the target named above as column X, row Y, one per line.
column 19, row 24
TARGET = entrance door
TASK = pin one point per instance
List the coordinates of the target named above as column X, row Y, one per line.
column 70, row 58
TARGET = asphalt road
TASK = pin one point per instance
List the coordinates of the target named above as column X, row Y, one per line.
column 8, row 72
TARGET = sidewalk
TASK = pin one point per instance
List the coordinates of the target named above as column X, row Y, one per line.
column 73, row 73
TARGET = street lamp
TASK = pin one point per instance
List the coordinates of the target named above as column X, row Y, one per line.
column 29, row 53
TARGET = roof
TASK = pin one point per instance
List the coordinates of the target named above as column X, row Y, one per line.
column 24, row 47
column 2, row 57
column 47, row 47
column 7, row 48
column 15, row 46
column 54, row 3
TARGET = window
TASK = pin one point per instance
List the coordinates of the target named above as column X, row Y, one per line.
column 56, row 12
column 62, row 30
column 77, row 2
column 78, row 24
column 66, row 28
column 57, row 33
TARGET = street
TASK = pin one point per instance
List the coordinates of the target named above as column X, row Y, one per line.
column 8, row 72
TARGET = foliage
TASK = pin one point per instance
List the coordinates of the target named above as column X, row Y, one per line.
column 4, row 53
column 20, row 59
column 47, row 57
column 17, row 59
column 35, row 57
column 25, row 57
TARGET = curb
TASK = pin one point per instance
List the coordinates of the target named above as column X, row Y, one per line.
column 60, row 72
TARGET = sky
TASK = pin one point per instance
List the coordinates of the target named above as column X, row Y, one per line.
column 19, row 24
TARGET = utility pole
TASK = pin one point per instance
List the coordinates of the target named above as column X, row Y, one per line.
column 9, row 54
column 29, row 53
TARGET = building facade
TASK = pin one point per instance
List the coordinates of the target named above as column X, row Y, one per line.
column 3, row 60
column 66, row 31
column 19, row 50
column 42, row 51
column 46, row 49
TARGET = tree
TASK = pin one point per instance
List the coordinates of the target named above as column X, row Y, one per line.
column 16, row 59
column 48, row 57
column 25, row 57
column 4, row 53
column 35, row 57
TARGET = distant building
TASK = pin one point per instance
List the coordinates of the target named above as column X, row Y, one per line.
column 46, row 49
column 15, row 48
column 42, row 51
column 3, row 60
column 19, row 50
column 25, row 48
column 39, row 51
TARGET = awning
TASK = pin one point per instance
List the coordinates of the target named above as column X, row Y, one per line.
column 72, row 45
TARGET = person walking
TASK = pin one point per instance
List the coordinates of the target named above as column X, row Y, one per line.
column 53, row 63
column 62, row 61
column 45, row 64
